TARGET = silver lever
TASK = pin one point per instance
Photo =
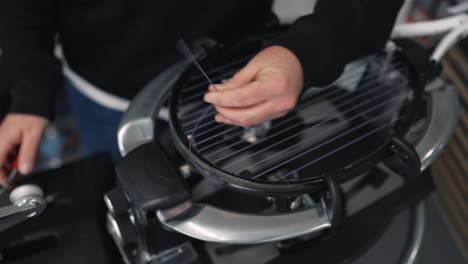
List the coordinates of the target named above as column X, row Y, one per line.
column 27, row 202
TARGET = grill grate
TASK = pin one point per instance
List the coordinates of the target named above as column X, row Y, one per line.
column 323, row 133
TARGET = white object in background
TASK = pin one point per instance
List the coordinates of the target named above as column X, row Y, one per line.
column 455, row 29
column 99, row 96
column 405, row 12
column 289, row 10
column 96, row 94
column 457, row 9
column 429, row 28
column 102, row 97
column 449, row 41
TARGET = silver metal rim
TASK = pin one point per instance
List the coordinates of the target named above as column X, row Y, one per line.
column 206, row 223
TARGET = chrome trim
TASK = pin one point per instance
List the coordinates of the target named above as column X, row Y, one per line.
column 418, row 225
column 443, row 112
column 29, row 195
column 213, row 224
column 137, row 126
column 109, row 205
column 27, row 202
column 25, row 191
column 114, row 229
column 208, row 223
column 135, row 133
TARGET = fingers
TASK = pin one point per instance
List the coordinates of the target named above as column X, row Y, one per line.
column 267, row 88
column 20, row 130
column 247, row 117
column 7, row 144
column 9, row 139
column 28, row 150
column 241, row 96
column 213, row 87
column 242, row 77
column 221, row 119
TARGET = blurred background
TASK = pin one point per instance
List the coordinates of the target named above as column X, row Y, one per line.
column 447, row 214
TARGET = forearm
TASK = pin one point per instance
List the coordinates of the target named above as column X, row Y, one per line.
column 338, row 32
column 27, row 41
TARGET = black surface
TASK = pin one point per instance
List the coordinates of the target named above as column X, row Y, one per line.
column 437, row 245
column 72, row 228
column 4, row 96
column 149, row 179
column 363, row 229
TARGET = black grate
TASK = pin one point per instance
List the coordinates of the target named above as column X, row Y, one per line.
column 332, row 128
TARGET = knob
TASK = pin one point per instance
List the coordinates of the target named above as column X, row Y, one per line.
column 29, row 194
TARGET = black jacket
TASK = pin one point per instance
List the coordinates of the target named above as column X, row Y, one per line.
column 119, row 45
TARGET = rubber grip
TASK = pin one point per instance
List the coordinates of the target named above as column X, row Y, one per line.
column 149, row 179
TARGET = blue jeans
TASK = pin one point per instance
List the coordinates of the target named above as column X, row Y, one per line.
column 97, row 124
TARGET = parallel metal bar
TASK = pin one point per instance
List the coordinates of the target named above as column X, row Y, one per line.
column 350, row 76
column 334, row 151
column 279, row 123
column 296, row 125
column 200, row 85
column 341, row 82
column 222, row 67
column 321, row 144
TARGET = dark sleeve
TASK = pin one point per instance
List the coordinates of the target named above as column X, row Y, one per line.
column 27, row 61
column 338, row 32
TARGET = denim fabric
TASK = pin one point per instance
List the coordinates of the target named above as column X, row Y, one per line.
column 96, row 124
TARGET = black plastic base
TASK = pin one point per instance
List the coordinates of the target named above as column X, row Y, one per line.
column 72, row 229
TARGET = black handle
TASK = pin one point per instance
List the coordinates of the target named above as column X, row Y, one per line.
column 4, row 96
column 337, row 207
column 408, row 162
column 149, row 179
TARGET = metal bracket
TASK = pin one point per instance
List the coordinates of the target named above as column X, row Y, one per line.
column 208, row 223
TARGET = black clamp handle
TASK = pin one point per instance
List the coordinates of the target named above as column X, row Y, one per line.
column 149, row 179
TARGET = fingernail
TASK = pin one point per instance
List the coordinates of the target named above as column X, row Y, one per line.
column 25, row 168
column 218, row 118
column 208, row 97
column 213, row 87
column 219, row 87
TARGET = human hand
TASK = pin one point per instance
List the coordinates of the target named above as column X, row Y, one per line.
column 23, row 131
column 267, row 87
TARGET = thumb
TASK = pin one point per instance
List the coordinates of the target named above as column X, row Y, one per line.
column 242, row 77
column 28, row 150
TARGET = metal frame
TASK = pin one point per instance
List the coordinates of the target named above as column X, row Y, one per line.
column 444, row 108
column 416, row 233
column 207, row 224
column 137, row 125
column 213, row 224
column 216, row 225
